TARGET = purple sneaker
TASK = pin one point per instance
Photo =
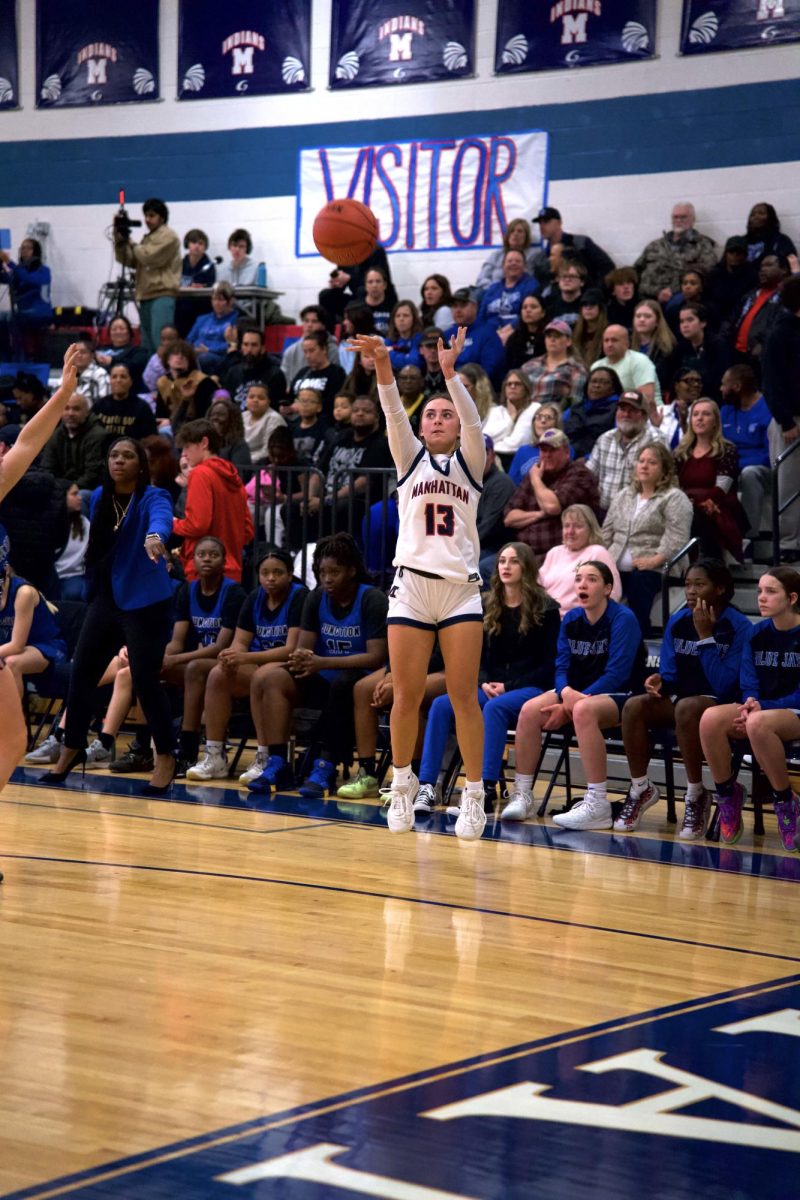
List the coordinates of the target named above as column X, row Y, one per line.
column 787, row 812
column 730, row 815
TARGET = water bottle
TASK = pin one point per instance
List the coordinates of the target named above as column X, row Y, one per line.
column 261, row 275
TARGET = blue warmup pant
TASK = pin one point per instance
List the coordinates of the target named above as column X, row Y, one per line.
column 499, row 715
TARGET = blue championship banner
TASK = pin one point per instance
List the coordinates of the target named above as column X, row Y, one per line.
column 9, row 82
column 376, row 42
column 710, row 25
column 243, row 49
column 572, row 33
column 92, row 52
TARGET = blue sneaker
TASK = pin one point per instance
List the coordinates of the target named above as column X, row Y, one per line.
column 277, row 775
column 321, row 780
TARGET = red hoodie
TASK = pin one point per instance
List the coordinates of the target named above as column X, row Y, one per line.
column 216, row 506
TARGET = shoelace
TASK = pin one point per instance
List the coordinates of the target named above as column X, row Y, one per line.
column 690, row 812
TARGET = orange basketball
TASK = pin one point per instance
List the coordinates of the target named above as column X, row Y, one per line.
column 345, row 232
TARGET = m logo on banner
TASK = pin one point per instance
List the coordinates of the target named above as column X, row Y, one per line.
column 400, row 47
column 96, row 71
column 242, row 61
column 573, row 28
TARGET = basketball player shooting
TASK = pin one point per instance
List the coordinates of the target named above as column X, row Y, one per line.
column 436, row 589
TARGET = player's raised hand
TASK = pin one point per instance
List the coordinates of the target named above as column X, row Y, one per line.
column 370, row 344
column 449, row 356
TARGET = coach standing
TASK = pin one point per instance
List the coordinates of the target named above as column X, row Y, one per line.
column 156, row 261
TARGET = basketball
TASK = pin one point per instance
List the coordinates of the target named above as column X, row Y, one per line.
column 345, row 232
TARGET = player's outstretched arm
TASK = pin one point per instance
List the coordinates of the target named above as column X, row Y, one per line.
column 473, row 447
column 35, row 432
column 404, row 446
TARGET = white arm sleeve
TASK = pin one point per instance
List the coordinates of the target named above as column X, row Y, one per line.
column 404, row 446
column 473, row 447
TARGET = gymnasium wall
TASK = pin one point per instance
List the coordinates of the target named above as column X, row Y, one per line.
column 626, row 141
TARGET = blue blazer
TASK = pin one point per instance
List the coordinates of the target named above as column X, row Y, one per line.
column 136, row 580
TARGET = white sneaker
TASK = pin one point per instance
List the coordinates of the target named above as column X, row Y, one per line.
column 98, row 756
column 588, row 813
column 255, row 769
column 400, row 817
column 48, row 752
column 427, row 798
column 472, row 816
column 210, row 766
column 519, row 806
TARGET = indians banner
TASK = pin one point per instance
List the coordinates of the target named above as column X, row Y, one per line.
column 572, row 33
column 710, row 25
column 434, row 194
column 9, row 81
column 91, row 52
column 380, row 42
column 239, row 48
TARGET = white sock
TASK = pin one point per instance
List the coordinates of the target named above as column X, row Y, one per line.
column 599, row 791
column 640, row 785
column 523, row 783
column 473, row 787
column 402, row 775
column 214, row 748
column 694, row 790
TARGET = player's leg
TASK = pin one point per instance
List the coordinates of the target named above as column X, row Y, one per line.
column 697, row 807
column 461, row 644
column 274, row 695
column 409, row 653
column 12, row 722
column 768, row 732
column 640, row 714
column 716, row 728
column 590, row 717
column 365, row 718
column 29, row 661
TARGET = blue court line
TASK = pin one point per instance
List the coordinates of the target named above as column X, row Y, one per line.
column 420, row 900
column 122, row 1166
column 662, row 852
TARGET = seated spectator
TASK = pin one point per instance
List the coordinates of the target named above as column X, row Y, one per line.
column 71, row 562
column 208, row 334
column 533, row 513
column 226, row 417
column 636, row 371
column 28, row 282
column 764, row 235
column 241, row 271
column 348, row 283
column 157, row 363
column 587, row 335
column 286, row 489
column 652, row 336
column 260, row 421
column 701, row 652
column 521, row 628
column 730, row 279
column 432, row 378
column 342, row 638
column 647, row 523
column 122, row 351
column 185, row 392
column 251, row 361
column 516, row 237
column 267, row 629
column 30, row 394
column 708, row 471
column 502, row 300
column 197, row 269
column 122, row 412
column 753, row 321
column 701, row 349
column 479, row 386
column 481, row 345
column 745, row 419
column 362, row 379
column 412, row 393
column 362, row 445
column 546, row 416
column 692, row 291
column 497, row 491
column 314, row 319
column 37, row 522
column 404, row 335
column 163, row 464
column 216, row 504
column 319, row 373
column 93, row 381
column 661, row 262
column 308, row 427
column 582, row 540
column 595, row 415
column 75, row 451
column 436, row 298
column 564, row 301
column 557, row 374
column 525, row 340
column 674, row 417
column 357, row 319
column 614, row 453
column 376, row 298
column 577, row 245
column 30, row 639
column 510, row 422
column 621, row 283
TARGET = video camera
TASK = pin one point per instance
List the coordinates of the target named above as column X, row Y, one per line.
column 123, row 223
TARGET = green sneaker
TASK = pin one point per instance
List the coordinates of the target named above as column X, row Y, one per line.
column 359, row 788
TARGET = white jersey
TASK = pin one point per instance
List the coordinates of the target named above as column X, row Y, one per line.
column 437, row 500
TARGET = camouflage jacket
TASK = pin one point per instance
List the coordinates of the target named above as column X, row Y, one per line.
column 661, row 262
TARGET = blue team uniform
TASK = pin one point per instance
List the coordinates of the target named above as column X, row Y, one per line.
column 606, row 658
column 340, row 636
column 770, row 670
column 207, row 625
column 691, row 667
column 44, row 632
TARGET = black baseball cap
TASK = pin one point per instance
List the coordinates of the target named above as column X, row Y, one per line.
column 465, row 295
column 431, row 335
column 548, row 214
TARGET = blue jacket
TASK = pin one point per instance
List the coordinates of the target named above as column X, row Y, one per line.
column 31, row 290
column 209, row 330
column 136, row 580
column 481, row 346
column 404, row 352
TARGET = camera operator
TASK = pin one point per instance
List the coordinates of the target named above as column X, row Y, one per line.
column 157, row 263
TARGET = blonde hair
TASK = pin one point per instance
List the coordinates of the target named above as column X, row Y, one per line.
column 484, row 392
column 719, row 444
column 663, row 338
column 585, row 514
column 669, row 476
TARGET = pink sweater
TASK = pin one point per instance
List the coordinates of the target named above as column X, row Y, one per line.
column 557, row 573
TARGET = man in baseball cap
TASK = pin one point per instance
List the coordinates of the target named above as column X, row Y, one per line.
column 481, row 345
column 574, row 245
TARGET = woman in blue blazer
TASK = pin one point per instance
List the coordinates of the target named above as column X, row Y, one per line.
column 130, row 603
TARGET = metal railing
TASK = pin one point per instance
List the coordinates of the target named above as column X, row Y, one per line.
column 287, row 522
column 777, row 508
column 691, row 548
column 361, row 509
